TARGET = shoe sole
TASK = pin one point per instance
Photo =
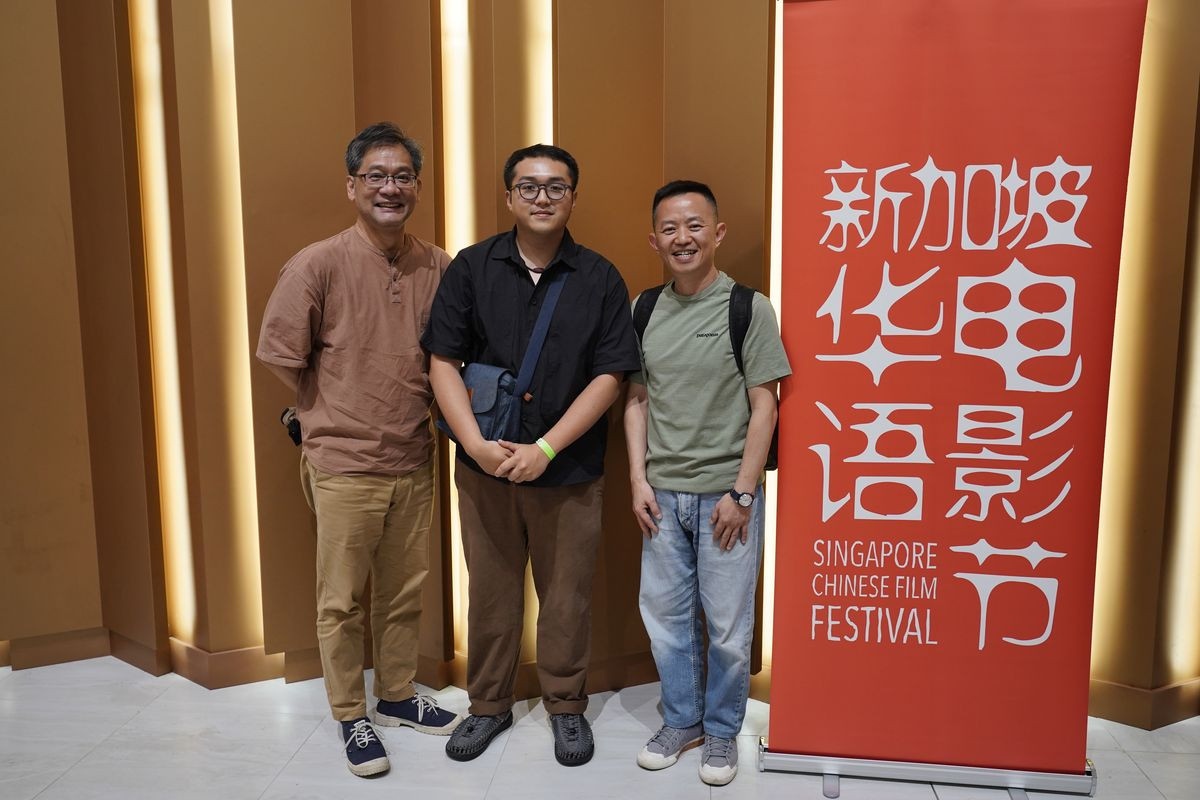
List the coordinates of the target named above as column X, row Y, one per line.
column 653, row 761
column 455, row 756
column 718, row 780
column 385, row 721
column 369, row 768
column 574, row 762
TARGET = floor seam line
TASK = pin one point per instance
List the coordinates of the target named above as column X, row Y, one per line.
column 291, row 758
column 1161, row 793
column 93, row 748
column 511, row 732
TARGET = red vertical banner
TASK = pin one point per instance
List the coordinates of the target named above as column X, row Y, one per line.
column 954, row 187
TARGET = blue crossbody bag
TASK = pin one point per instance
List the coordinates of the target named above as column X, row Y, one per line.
column 495, row 394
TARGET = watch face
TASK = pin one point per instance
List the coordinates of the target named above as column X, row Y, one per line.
column 745, row 500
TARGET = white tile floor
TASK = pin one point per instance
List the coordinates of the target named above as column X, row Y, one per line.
column 103, row 729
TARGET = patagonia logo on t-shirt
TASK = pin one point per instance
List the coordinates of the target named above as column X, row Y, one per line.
column 712, row 335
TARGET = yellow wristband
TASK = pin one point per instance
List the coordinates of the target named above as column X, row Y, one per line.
column 546, row 448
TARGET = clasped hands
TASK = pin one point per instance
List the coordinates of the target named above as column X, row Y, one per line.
column 516, row 462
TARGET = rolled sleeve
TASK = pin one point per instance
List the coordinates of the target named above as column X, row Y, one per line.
column 616, row 348
column 449, row 333
column 291, row 319
column 763, row 351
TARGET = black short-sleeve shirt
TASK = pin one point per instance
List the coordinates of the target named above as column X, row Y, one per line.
column 485, row 310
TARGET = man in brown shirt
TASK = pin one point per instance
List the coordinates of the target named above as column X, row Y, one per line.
column 343, row 329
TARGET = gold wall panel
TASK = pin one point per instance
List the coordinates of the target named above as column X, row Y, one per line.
column 295, row 116
column 1180, row 651
column 394, row 79
column 717, row 119
column 102, row 155
column 49, row 574
column 609, row 115
column 495, row 91
column 212, row 328
column 507, row 71
column 1130, row 650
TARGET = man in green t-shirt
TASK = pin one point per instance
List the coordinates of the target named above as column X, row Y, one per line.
column 698, row 429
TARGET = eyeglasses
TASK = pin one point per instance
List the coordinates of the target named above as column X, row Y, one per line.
column 529, row 191
column 377, row 180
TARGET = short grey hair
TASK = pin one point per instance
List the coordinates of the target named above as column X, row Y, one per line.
column 380, row 134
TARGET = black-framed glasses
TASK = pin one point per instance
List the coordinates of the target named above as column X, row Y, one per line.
column 529, row 190
column 377, row 180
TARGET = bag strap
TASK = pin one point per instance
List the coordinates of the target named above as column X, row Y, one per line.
column 534, row 349
column 643, row 308
column 741, row 307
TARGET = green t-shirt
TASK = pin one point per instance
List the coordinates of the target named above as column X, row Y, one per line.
column 698, row 406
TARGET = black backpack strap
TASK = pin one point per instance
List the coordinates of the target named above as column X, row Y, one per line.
column 741, row 308
column 643, row 308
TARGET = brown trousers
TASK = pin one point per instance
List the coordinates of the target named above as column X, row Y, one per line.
column 377, row 525
column 558, row 529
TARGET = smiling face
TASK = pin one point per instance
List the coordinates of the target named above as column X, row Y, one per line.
column 384, row 210
column 541, row 216
column 686, row 236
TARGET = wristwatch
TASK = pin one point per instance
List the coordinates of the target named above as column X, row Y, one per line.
column 745, row 500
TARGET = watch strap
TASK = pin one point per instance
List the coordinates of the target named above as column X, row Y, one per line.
column 737, row 497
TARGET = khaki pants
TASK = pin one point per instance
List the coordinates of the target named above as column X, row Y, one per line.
column 558, row 529
column 376, row 525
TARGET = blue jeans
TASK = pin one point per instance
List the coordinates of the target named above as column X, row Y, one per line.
column 683, row 571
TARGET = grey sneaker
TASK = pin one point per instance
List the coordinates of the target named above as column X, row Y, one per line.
column 718, row 762
column 573, row 742
column 475, row 733
column 664, row 747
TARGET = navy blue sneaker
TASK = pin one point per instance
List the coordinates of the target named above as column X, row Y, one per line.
column 418, row 711
column 364, row 752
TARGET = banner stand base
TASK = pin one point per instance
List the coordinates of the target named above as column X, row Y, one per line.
column 833, row 769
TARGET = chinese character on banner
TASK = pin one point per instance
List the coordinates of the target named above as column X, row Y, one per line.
column 997, row 443
column 986, row 582
column 878, row 357
column 1007, row 464
column 1012, row 353
column 879, row 425
column 939, row 191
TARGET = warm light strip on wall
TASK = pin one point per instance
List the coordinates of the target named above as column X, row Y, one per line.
column 1182, row 579
column 539, row 77
column 235, row 346
column 776, row 297
column 1155, row 126
column 458, row 122
column 160, row 286
column 458, row 167
column 537, row 36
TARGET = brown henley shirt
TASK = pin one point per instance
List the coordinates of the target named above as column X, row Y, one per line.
column 352, row 323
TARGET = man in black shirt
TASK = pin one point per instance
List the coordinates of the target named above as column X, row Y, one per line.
column 538, row 497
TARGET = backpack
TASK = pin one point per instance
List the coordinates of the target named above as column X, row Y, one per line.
column 741, row 308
